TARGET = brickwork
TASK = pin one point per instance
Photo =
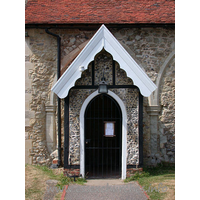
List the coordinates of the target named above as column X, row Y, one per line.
column 132, row 171
column 71, row 172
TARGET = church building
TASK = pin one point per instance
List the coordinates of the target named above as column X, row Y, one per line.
column 100, row 85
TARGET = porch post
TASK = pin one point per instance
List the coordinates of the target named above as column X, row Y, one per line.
column 66, row 132
column 140, row 130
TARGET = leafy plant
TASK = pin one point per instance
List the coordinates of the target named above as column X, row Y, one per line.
column 63, row 180
column 81, row 181
column 136, row 176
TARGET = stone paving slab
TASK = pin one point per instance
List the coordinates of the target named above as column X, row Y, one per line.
column 113, row 191
column 101, row 182
column 51, row 190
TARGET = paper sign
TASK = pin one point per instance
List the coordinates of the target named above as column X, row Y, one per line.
column 109, row 128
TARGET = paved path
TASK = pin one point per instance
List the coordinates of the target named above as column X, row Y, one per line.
column 51, row 190
column 105, row 190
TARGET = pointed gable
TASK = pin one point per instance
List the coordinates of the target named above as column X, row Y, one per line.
column 103, row 39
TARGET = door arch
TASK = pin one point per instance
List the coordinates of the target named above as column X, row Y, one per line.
column 103, row 138
column 124, row 132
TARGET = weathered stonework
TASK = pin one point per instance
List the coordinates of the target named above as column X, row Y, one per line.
column 167, row 117
column 146, row 133
column 128, row 96
column 148, row 46
column 121, row 76
column 76, row 99
column 103, row 62
column 41, row 77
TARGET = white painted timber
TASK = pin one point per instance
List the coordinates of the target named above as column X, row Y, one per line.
column 103, row 38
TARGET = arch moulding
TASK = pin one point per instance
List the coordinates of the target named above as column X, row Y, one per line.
column 154, row 97
column 124, row 132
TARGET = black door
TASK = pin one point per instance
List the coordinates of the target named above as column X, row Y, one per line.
column 103, row 149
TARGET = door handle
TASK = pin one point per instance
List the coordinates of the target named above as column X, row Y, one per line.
column 87, row 141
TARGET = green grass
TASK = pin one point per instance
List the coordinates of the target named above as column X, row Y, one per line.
column 36, row 185
column 137, row 176
column 47, row 171
column 152, row 180
column 34, row 191
column 62, row 180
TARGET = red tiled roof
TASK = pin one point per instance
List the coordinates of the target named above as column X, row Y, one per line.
column 99, row 11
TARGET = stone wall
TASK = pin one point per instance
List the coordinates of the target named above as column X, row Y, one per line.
column 167, row 117
column 129, row 96
column 76, row 99
column 42, row 57
column 130, row 99
column 148, row 46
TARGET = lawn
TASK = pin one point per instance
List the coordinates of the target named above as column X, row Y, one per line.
column 36, row 177
column 158, row 182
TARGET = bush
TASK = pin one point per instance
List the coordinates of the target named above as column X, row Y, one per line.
column 63, row 180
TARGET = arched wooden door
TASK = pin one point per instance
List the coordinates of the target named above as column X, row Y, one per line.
column 103, row 138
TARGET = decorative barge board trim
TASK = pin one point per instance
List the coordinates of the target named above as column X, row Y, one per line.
column 124, row 132
column 103, row 39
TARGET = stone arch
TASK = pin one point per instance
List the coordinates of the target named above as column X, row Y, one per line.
column 124, row 131
column 154, row 97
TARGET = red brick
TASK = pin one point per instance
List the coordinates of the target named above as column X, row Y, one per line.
column 71, row 172
column 131, row 171
column 55, row 161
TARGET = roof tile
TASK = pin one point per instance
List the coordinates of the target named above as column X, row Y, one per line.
column 95, row 11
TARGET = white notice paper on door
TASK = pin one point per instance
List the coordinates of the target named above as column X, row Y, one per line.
column 109, row 129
